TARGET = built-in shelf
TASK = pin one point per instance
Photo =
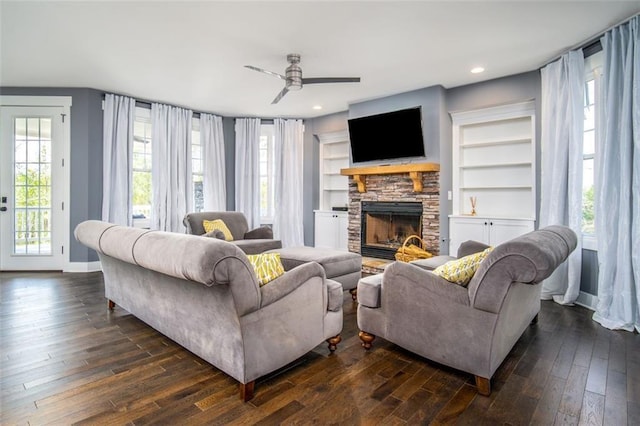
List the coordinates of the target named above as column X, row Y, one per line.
column 494, row 165
column 483, row 188
column 414, row 170
column 496, row 143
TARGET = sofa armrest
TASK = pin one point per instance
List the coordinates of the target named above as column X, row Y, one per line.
column 291, row 280
column 369, row 291
column 261, row 233
column 401, row 277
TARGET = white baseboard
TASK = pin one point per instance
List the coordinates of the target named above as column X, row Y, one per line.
column 587, row 300
column 83, row 267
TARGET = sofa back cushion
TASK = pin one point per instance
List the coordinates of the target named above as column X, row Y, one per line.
column 528, row 259
column 235, row 221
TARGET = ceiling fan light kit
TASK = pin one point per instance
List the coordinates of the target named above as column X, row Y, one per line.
column 293, row 77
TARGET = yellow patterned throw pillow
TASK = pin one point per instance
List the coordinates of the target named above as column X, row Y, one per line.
column 268, row 266
column 218, row 224
column 460, row 271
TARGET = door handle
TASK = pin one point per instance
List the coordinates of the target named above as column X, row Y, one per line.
column 3, row 209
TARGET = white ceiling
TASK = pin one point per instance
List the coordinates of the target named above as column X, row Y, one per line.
column 192, row 53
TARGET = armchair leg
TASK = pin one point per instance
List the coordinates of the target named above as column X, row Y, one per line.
column 534, row 320
column 246, row 390
column 111, row 304
column 367, row 339
column 333, row 342
column 483, row 385
column 354, row 294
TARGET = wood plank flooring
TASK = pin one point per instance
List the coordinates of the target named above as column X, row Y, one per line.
column 65, row 359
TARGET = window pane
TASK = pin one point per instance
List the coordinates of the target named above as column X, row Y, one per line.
column 588, row 225
column 589, row 144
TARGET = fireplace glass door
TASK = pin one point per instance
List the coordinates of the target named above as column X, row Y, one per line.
column 386, row 225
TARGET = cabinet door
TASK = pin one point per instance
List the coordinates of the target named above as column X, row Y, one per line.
column 504, row 230
column 325, row 230
column 342, row 234
column 463, row 229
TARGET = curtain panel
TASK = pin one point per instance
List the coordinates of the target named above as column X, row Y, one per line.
column 617, row 190
column 213, row 163
column 171, row 178
column 562, row 126
column 117, row 163
column 289, row 144
column 247, row 193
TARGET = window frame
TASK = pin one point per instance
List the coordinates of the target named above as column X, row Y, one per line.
column 267, row 131
column 143, row 115
column 195, row 128
column 593, row 71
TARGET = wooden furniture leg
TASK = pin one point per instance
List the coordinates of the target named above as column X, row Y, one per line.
column 483, row 385
column 366, row 338
column 111, row 304
column 354, row 293
column 246, row 390
column 333, row 342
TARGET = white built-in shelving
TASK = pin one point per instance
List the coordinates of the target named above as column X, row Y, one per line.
column 494, row 162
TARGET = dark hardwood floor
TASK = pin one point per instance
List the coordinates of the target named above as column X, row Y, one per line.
column 66, row 359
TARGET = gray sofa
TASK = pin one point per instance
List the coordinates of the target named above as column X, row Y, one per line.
column 204, row 294
column 471, row 329
column 252, row 241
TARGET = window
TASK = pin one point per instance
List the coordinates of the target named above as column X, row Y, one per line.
column 196, row 166
column 267, row 174
column 591, row 100
column 142, row 168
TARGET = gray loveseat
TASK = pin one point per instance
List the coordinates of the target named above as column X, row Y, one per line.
column 471, row 329
column 252, row 241
column 204, row 294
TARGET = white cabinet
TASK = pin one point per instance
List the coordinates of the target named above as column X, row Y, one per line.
column 488, row 230
column 331, row 230
column 334, row 155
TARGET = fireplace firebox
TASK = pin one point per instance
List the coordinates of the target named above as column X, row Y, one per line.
column 386, row 225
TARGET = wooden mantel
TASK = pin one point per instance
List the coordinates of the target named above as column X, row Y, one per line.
column 414, row 170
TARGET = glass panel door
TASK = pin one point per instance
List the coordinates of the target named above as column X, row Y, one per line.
column 32, row 225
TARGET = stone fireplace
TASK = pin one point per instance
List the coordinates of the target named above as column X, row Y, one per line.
column 416, row 184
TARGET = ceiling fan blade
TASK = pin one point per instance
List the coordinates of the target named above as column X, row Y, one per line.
column 280, row 95
column 315, row 80
column 275, row 74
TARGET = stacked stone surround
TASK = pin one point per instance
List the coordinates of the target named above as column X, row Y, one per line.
column 398, row 187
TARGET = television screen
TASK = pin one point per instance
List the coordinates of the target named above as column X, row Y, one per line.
column 388, row 136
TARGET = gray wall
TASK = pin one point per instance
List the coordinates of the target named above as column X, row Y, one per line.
column 86, row 157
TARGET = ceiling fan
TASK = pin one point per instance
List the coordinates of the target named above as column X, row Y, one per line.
column 293, row 77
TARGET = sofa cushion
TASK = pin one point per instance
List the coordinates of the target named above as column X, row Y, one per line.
column 258, row 246
column 217, row 225
column 433, row 262
column 267, row 266
column 369, row 291
column 460, row 271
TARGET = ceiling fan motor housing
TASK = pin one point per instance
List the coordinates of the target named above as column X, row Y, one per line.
column 293, row 73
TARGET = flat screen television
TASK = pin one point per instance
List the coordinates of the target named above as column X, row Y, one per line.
column 389, row 136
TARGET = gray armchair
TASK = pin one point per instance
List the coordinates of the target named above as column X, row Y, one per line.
column 471, row 329
column 250, row 241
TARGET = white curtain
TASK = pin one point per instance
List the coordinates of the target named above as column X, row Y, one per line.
column 171, row 178
column 247, row 169
column 562, row 126
column 213, row 163
column 117, row 157
column 287, row 223
column 617, row 192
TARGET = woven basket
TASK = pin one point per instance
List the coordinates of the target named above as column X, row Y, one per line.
column 409, row 252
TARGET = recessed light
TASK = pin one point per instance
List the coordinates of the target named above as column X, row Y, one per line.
column 477, row 70
column 317, row 107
